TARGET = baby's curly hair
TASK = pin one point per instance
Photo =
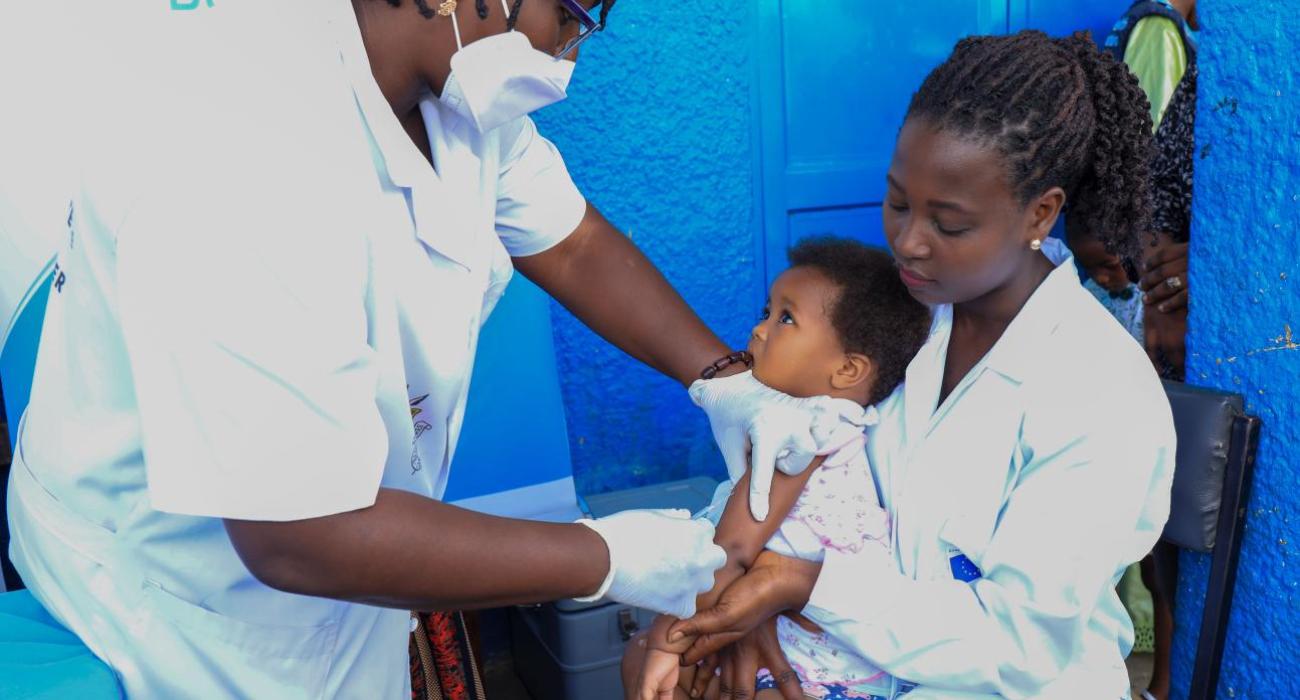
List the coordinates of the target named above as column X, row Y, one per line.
column 1061, row 113
column 874, row 314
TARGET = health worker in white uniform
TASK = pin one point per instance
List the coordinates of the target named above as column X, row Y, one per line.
column 291, row 221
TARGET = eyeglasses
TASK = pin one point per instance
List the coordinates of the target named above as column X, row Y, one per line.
column 590, row 25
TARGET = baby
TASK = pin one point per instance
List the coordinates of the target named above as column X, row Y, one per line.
column 839, row 323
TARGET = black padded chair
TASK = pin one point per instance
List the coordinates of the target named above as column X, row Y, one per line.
column 1216, row 458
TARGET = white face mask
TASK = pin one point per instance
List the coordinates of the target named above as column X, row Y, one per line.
column 500, row 78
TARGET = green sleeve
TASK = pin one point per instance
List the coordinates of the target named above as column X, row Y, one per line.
column 1156, row 56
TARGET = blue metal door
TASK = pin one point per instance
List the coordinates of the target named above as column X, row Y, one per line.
column 834, row 81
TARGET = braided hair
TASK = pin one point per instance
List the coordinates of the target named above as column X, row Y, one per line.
column 480, row 6
column 1061, row 114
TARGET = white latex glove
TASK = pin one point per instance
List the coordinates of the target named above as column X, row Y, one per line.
column 658, row 559
column 779, row 431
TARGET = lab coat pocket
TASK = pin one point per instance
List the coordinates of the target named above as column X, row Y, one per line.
column 272, row 660
column 962, row 542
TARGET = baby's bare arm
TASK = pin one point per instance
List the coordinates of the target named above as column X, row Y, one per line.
column 743, row 538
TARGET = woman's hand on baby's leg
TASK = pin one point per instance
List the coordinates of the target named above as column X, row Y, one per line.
column 705, row 679
column 760, row 648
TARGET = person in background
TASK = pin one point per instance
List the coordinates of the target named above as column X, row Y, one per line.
column 1156, row 39
column 1164, row 282
column 1109, row 279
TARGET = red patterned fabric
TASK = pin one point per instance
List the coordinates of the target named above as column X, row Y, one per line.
column 453, row 670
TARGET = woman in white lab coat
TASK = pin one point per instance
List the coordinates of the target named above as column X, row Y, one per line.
column 292, row 219
column 1028, row 457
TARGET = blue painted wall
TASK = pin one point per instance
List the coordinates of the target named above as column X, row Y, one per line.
column 18, row 352
column 1245, row 324
column 661, row 131
column 656, row 133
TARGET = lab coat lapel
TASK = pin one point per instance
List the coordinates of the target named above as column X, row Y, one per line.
column 920, row 397
column 924, row 377
column 448, row 215
column 441, row 214
column 926, row 380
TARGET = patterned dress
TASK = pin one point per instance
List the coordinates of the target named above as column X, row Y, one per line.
column 1174, row 160
column 1171, row 176
column 838, row 509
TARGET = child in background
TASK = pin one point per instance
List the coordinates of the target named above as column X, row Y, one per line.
column 840, row 323
column 1108, row 280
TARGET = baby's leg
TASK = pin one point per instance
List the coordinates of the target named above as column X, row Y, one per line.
column 634, row 658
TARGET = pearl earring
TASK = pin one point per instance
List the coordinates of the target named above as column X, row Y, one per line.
column 1035, row 244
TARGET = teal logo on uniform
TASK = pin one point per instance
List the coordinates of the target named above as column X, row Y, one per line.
column 189, row 4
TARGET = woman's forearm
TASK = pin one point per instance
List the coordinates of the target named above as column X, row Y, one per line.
column 407, row 551
column 601, row 276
